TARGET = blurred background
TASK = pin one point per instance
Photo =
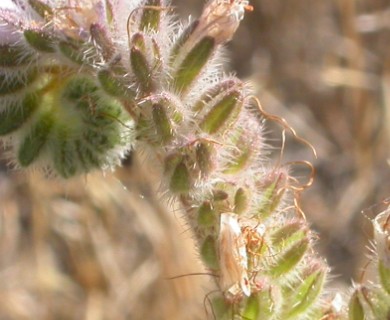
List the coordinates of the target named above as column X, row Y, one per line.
column 104, row 247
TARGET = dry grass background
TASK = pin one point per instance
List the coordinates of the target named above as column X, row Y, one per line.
column 103, row 246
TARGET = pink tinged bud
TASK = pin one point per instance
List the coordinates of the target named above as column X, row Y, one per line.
column 233, row 257
column 221, row 18
column 382, row 237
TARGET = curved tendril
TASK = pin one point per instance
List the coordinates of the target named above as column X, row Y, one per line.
column 283, row 123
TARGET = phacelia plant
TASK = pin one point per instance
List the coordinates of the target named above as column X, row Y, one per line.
column 84, row 82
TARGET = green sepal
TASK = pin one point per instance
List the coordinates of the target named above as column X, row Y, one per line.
column 41, row 8
column 304, row 296
column 221, row 88
column 252, row 308
column 17, row 114
column 39, row 40
column 11, row 84
column 223, row 111
column 35, row 140
column 141, row 69
column 100, row 37
column 271, row 197
column 72, row 50
column 289, row 233
column 180, row 179
column 355, row 308
column 203, row 154
column 241, row 201
column 14, row 56
column 208, row 252
column 162, row 123
column 287, row 260
column 113, row 86
column 193, row 63
column 384, row 276
column 150, row 20
column 181, row 40
column 206, row 215
column 64, row 152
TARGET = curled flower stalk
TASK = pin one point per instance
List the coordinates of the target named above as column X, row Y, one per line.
column 84, row 82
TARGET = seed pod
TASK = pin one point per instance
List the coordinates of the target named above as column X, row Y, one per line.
column 150, row 20
column 222, row 113
column 17, row 114
column 39, row 40
column 35, row 140
column 193, row 63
